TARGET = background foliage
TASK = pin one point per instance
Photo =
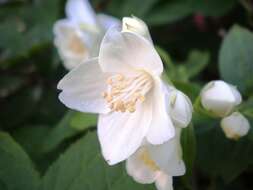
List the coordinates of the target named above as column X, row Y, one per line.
column 44, row 146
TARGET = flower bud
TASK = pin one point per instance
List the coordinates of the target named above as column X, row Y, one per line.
column 220, row 98
column 180, row 108
column 135, row 25
column 235, row 126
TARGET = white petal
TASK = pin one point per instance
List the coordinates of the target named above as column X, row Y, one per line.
column 81, row 12
column 71, row 61
column 121, row 134
column 237, row 95
column 107, row 21
column 136, row 25
column 168, row 156
column 121, row 51
column 164, row 182
column 82, row 88
column 63, row 27
column 136, row 168
column 161, row 127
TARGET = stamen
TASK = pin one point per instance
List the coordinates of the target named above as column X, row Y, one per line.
column 123, row 93
column 147, row 160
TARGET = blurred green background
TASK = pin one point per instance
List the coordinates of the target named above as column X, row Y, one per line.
column 45, row 146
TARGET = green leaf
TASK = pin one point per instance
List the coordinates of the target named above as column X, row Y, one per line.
column 82, row 167
column 18, row 27
column 156, row 12
column 169, row 11
column 72, row 123
column 188, row 141
column 219, row 156
column 130, row 7
column 235, row 58
column 59, row 133
column 190, row 88
column 165, row 58
column 196, row 62
column 82, row 121
column 213, row 7
column 173, row 10
column 16, row 168
column 246, row 108
column 31, row 138
column 16, row 109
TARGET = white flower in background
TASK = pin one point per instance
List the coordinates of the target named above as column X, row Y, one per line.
column 220, row 98
column 157, row 164
column 235, row 126
column 79, row 35
column 180, row 107
column 124, row 86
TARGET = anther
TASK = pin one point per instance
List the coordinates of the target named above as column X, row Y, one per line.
column 123, row 93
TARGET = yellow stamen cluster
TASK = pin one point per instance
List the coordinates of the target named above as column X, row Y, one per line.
column 145, row 157
column 124, row 92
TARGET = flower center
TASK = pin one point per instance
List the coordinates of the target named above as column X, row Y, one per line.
column 123, row 93
column 76, row 45
column 145, row 157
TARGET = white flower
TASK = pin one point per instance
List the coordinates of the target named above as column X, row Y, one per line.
column 157, row 163
column 125, row 87
column 180, row 107
column 235, row 126
column 220, row 98
column 79, row 35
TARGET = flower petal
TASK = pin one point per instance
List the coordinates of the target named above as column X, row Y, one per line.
column 63, row 28
column 107, row 21
column 82, row 88
column 136, row 168
column 168, row 156
column 121, row 134
column 136, row 25
column 161, row 128
column 81, row 12
column 164, row 182
column 121, row 51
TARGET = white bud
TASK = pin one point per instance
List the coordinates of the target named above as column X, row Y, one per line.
column 235, row 126
column 220, row 98
column 180, row 108
column 135, row 25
